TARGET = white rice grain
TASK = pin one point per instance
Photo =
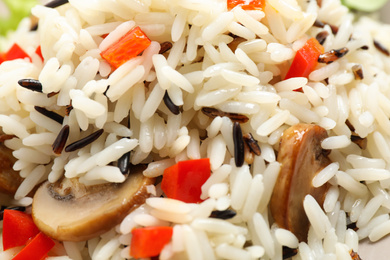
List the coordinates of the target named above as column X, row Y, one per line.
column 316, row 216
column 229, row 252
column 325, row 174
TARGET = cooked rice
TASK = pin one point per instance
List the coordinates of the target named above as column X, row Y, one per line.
column 202, row 69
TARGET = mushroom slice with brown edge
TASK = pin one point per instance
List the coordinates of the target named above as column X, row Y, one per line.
column 9, row 179
column 301, row 158
column 71, row 211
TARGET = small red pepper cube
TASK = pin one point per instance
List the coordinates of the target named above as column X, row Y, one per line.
column 2, row 57
column 36, row 249
column 18, row 228
column 246, row 4
column 39, row 52
column 149, row 241
column 16, row 52
column 306, row 59
column 183, row 181
column 129, row 46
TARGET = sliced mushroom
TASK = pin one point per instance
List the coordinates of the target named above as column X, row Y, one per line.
column 301, row 158
column 71, row 211
column 9, row 179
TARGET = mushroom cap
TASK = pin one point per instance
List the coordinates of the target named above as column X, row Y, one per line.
column 9, row 179
column 301, row 158
column 71, row 211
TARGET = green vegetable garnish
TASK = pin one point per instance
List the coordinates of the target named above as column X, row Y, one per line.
column 17, row 10
column 364, row 5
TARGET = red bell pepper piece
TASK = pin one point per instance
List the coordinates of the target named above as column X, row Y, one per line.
column 18, row 228
column 149, row 241
column 2, row 57
column 39, row 52
column 129, row 46
column 183, row 181
column 306, row 59
column 37, row 249
column 246, row 4
column 16, row 52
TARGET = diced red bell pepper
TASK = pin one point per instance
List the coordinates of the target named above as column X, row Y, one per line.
column 149, row 241
column 36, row 249
column 16, row 52
column 246, row 4
column 18, row 228
column 129, row 46
column 2, row 57
column 183, row 181
column 39, row 52
column 306, row 59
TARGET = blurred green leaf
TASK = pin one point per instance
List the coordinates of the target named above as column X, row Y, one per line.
column 18, row 9
column 364, row 5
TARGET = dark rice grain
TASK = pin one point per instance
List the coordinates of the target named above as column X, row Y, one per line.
column 50, row 114
column 289, row 252
column 124, row 163
column 68, row 109
column 84, row 141
column 249, row 155
column 223, row 214
column 332, row 55
column 319, row 24
column 170, row 105
column 381, row 48
column 354, row 255
column 165, row 46
column 321, row 37
column 213, row 113
column 59, row 143
column 239, row 149
column 56, row 3
column 361, row 142
column 31, row 84
column 358, row 71
column 252, row 144
column 52, row 94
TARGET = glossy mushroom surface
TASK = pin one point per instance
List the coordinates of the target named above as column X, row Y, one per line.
column 301, row 158
column 71, row 211
column 9, row 178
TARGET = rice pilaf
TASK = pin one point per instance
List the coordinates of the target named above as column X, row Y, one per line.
column 287, row 103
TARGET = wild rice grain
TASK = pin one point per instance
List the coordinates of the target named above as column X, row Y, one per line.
column 84, row 141
column 332, row 55
column 165, row 46
column 289, row 252
column 31, row 84
column 213, row 112
column 56, row 3
column 318, row 24
column 170, row 105
column 124, row 163
column 358, row 71
column 238, row 140
column 50, row 114
column 225, row 214
column 252, row 144
column 60, row 141
column 321, row 37
column 381, row 48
